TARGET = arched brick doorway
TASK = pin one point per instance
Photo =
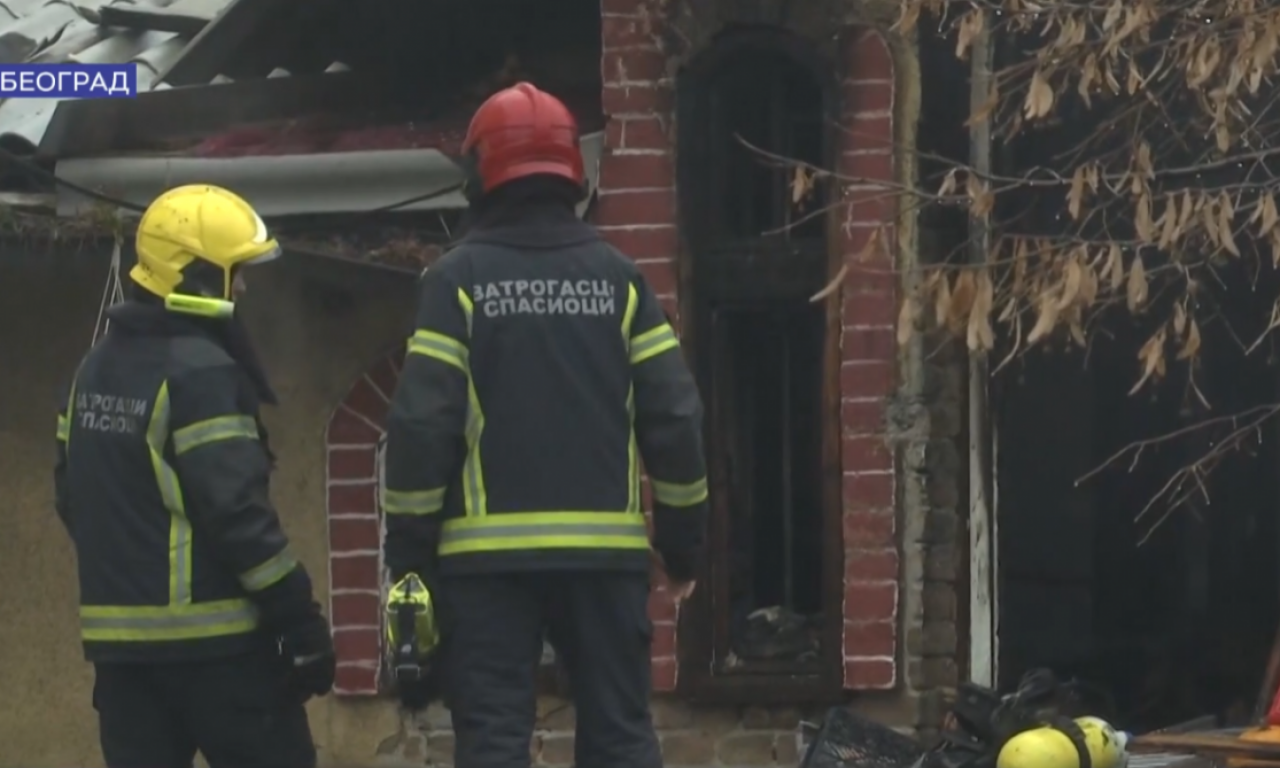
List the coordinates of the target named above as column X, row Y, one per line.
column 356, row 579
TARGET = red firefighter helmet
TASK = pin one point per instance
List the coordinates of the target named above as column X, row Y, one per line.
column 521, row 131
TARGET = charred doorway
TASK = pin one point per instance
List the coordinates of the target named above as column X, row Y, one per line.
column 1163, row 598
column 763, row 353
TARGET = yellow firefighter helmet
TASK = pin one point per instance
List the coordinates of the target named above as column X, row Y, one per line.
column 190, row 242
column 1049, row 747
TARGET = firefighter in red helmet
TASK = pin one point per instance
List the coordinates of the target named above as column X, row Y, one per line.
column 541, row 372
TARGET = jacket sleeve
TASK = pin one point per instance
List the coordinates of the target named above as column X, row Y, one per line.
column 426, row 435
column 223, row 470
column 668, row 425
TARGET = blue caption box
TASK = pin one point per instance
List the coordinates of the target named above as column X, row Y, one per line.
column 68, row 81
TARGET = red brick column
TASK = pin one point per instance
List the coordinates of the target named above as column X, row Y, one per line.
column 868, row 370
column 637, row 209
column 355, row 531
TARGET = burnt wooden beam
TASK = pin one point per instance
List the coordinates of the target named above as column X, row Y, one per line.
column 82, row 127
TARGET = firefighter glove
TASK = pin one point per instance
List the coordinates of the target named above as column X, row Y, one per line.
column 308, row 649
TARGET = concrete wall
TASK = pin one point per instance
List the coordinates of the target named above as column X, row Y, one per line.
column 318, row 327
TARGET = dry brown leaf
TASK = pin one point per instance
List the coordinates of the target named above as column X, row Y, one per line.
column 1190, row 345
column 948, row 186
column 1226, row 227
column 1019, row 267
column 1142, row 223
column 1073, row 276
column 908, row 17
column 1114, row 268
column 1075, row 326
column 1169, row 223
column 1046, row 318
column 1179, row 319
column 980, row 336
column 908, row 316
column 1076, row 195
column 1151, row 357
column 1112, row 16
column 1264, row 215
column 801, row 184
column 1088, row 76
column 1040, row 98
column 941, row 300
column 971, row 25
column 1136, row 289
column 963, row 295
column 1088, row 287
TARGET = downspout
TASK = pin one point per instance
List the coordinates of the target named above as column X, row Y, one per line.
column 983, row 606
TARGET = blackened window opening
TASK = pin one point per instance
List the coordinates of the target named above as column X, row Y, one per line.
column 770, row 385
column 759, row 253
column 769, row 101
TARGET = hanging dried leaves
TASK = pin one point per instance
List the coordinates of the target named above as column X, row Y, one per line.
column 1179, row 181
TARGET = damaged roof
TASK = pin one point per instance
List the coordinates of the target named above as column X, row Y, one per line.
column 60, row 31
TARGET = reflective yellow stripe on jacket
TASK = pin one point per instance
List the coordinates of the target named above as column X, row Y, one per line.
column 183, row 619
column 450, row 352
column 633, row 449
column 544, row 530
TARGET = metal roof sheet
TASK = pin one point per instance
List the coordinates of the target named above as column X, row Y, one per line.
column 60, row 31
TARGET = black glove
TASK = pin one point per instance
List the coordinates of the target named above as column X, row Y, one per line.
column 307, row 648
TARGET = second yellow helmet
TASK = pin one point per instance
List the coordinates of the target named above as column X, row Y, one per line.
column 190, row 241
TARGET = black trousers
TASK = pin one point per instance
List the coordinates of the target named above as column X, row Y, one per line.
column 599, row 625
column 238, row 712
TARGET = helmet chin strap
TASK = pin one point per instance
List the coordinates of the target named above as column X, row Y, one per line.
column 200, row 306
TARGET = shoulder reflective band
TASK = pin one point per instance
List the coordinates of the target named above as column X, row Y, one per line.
column 152, row 623
column 475, row 500
column 544, row 530
column 412, row 502
column 652, row 343
column 268, row 572
column 440, row 347
column 679, row 494
column 633, row 451
column 64, row 419
column 233, row 427
column 171, row 495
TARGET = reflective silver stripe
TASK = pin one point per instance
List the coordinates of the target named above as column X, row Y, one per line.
column 653, row 342
column 154, row 623
column 440, row 347
column 544, row 530
column 265, row 574
column 530, row 531
column 412, row 502
column 679, row 494
column 171, row 495
column 213, row 430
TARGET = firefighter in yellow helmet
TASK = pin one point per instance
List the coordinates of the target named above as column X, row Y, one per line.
column 200, row 623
